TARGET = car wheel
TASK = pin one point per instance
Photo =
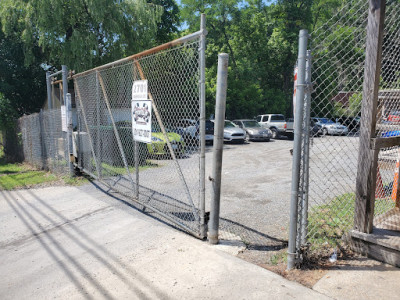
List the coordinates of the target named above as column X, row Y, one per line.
column 274, row 133
column 324, row 131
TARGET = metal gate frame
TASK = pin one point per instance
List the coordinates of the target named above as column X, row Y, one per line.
column 198, row 213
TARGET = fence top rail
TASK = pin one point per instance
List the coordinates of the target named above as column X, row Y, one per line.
column 176, row 42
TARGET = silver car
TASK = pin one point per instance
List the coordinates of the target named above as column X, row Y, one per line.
column 330, row 127
column 233, row 133
column 254, row 131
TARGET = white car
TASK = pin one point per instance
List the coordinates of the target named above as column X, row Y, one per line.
column 233, row 133
column 190, row 130
column 330, row 127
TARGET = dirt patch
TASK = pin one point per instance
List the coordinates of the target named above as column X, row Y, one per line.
column 312, row 269
column 307, row 278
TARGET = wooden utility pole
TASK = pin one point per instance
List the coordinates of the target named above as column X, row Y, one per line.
column 368, row 156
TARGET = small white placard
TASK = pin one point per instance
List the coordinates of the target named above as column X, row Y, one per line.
column 139, row 90
column 63, row 118
column 141, row 112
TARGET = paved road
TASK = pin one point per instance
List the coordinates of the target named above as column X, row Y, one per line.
column 80, row 243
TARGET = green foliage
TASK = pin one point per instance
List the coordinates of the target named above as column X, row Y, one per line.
column 167, row 27
column 354, row 108
column 8, row 114
column 338, row 55
column 261, row 41
column 80, row 34
column 22, row 88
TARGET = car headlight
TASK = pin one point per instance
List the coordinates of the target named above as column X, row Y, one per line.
column 155, row 139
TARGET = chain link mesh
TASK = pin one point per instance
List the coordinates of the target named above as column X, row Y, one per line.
column 44, row 142
column 168, row 181
column 338, row 54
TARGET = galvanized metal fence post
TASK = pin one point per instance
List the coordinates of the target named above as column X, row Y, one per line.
column 136, row 169
column 48, row 83
column 303, row 39
column 220, row 105
column 68, row 108
column 98, row 123
column 202, row 50
column 306, row 151
column 42, row 140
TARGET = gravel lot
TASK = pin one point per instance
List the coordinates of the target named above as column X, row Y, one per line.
column 256, row 184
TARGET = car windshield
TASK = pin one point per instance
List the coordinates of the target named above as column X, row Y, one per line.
column 326, row 121
column 229, row 124
column 251, row 123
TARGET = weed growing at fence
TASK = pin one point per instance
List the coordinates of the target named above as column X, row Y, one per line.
column 76, row 180
column 331, row 221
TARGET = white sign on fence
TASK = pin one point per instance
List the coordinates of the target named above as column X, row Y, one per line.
column 141, row 112
column 63, row 118
column 139, row 90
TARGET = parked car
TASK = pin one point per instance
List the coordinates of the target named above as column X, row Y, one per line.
column 352, row 123
column 394, row 116
column 330, row 127
column 315, row 129
column 232, row 132
column 290, row 128
column 254, row 131
column 190, row 131
column 275, row 122
column 159, row 146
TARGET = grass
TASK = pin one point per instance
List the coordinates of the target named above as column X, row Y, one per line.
column 328, row 223
column 278, row 258
column 76, row 180
column 25, row 179
column 14, row 175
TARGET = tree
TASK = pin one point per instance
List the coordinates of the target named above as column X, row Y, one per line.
column 167, row 27
column 22, row 87
column 81, row 33
column 261, row 41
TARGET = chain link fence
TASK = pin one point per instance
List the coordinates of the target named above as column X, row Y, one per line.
column 43, row 141
column 163, row 175
column 337, row 73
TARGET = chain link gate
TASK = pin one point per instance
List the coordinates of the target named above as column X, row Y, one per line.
column 325, row 194
column 166, row 175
